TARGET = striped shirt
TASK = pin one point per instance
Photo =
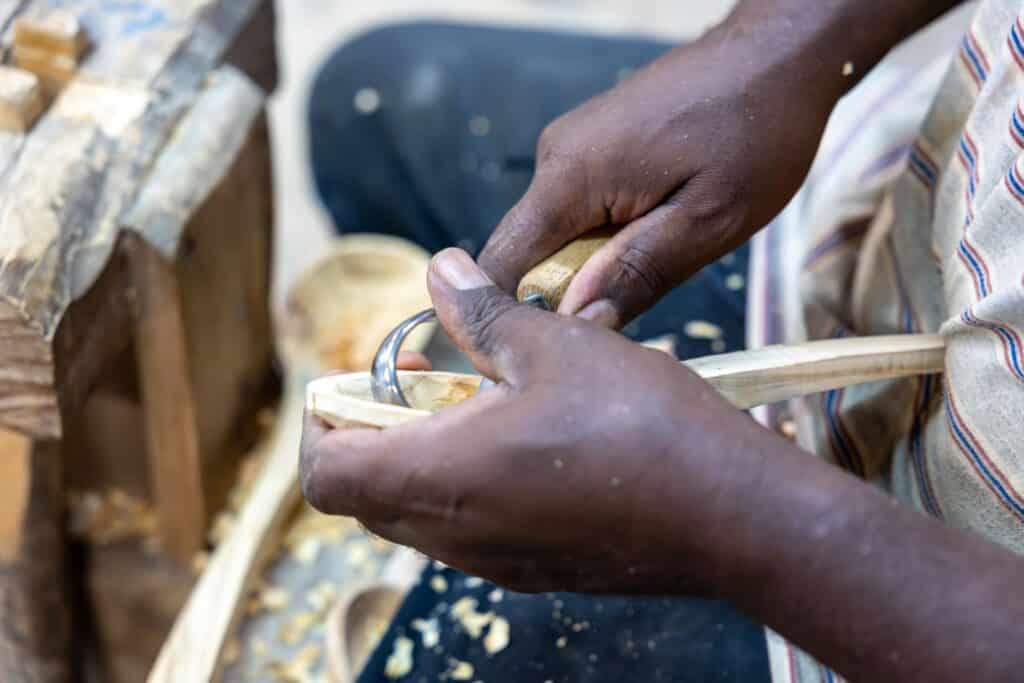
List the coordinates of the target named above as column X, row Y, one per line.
column 912, row 220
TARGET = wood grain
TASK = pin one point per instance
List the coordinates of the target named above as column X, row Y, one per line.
column 168, row 400
column 35, row 596
column 745, row 378
column 551, row 277
column 777, row 373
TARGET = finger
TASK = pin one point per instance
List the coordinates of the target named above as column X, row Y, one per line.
column 412, row 360
column 497, row 333
column 648, row 258
column 385, row 475
column 552, row 213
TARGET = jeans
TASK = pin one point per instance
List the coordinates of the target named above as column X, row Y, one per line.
column 427, row 131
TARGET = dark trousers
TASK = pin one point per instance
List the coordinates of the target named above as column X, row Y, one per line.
column 428, row 132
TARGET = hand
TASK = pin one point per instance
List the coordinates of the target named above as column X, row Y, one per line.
column 594, row 471
column 690, row 155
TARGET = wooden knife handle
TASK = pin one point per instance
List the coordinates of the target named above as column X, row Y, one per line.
column 551, row 277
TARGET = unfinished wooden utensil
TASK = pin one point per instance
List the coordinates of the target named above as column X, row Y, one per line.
column 367, row 280
column 745, row 378
column 355, row 625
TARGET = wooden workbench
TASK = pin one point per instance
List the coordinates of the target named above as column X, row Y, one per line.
column 135, row 223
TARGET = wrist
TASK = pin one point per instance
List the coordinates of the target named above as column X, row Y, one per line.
column 825, row 46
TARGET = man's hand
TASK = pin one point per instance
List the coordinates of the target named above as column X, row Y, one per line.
column 561, row 476
column 598, row 465
column 697, row 151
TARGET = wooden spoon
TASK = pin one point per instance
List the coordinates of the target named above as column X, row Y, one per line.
column 745, row 378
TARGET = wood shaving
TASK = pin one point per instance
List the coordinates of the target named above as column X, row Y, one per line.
column 702, row 329
column 474, row 582
column 306, row 552
column 299, row 669
column 473, row 622
column 294, row 630
column 438, row 583
column 429, row 630
column 104, row 517
column 322, row 596
column 459, row 671
column 497, row 637
column 735, row 282
column 399, row 662
column 496, row 595
column 561, row 642
column 273, row 599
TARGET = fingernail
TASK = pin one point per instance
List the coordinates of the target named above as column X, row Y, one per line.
column 459, row 270
column 602, row 312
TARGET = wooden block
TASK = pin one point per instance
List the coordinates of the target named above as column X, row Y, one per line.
column 35, row 596
column 52, row 30
column 172, row 438
column 54, row 70
column 21, row 99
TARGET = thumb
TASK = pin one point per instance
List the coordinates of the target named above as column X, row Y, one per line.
column 484, row 321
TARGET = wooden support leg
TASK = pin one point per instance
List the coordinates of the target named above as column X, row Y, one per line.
column 168, row 400
column 35, row 616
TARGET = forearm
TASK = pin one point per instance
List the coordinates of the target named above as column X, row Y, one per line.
column 877, row 591
column 826, row 46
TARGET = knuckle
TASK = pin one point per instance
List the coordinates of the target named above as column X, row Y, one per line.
column 483, row 318
column 639, row 270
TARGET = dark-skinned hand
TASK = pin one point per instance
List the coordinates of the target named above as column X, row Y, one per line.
column 690, row 155
column 561, row 476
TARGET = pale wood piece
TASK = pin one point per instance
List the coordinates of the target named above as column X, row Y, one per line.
column 52, row 30
column 54, row 70
column 745, row 378
column 193, row 650
column 551, row 277
column 172, row 440
column 777, row 373
column 21, row 99
column 16, row 475
column 346, row 401
column 35, row 599
column 355, row 624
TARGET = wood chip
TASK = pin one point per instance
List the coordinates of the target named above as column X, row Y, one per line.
column 295, row 629
column 399, row 662
column 438, row 583
column 299, row 668
column 497, row 637
column 429, row 630
column 702, row 329
column 321, row 596
column 460, row 671
column 735, row 282
column 473, row 622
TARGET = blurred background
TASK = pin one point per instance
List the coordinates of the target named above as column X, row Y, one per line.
column 309, row 30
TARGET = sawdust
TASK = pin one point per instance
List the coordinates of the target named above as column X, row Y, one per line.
column 497, row 637
column 399, row 662
column 459, row 671
column 298, row 669
column 112, row 516
column 702, row 329
column 464, row 613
